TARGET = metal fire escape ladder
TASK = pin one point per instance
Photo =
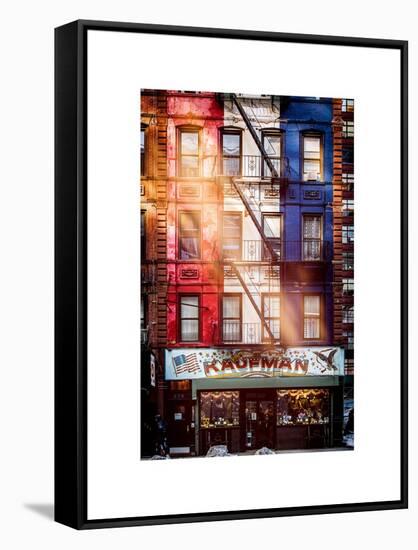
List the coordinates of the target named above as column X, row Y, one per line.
column 251, row 298
column 255, row 137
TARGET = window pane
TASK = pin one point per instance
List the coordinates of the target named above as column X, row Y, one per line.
column 312, row 170
column 272, row 145
column 190, row 330
column 189, row 221
column 189, row 307
column 189, row 248
column 189, row 143
column 232, row 225
column 190, row 166
column 272, row 227
column 271, row 306
column 231, row 307
column 313, row 145
column 311, row 305
column 231, row 144
column 311, row 328
column 312, row 227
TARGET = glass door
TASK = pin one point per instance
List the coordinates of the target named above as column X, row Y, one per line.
column 259, row 424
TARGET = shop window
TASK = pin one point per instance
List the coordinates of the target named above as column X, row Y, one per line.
column 232, row 228
column 347, row 105
column 312, row 157
column 189, row 153
column 272, row 145
column 305, row 406
column 189, row 318
column 347, row 234
column 348, row 128
column 311, row 317
column 231, row 152
column 231, row 318
column 271, row 315
column 348, row 261
column 348, row 314
column 189, row 235
column 312, row 238
column 219, row 409
column 348, row 287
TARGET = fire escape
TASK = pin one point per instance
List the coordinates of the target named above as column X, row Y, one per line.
column 269, row 253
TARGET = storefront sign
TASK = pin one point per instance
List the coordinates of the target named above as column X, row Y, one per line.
column 193, row 363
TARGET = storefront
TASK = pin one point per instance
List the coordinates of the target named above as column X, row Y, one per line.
column 291, row 399
column 248, row 419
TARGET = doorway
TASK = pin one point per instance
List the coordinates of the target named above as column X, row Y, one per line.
column 258, row 415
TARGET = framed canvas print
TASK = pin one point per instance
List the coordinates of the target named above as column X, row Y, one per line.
column 231, row 274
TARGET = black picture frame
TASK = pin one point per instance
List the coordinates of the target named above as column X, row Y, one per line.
column 71, row 338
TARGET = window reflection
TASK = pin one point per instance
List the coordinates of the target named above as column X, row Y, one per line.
column 306, row 406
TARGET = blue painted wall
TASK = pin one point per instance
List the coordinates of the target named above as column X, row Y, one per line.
column 301, row 115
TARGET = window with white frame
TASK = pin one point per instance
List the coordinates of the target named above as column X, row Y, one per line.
column 189, row 318
column 311, row 317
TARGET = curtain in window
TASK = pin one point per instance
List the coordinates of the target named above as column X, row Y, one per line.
column 311, row 316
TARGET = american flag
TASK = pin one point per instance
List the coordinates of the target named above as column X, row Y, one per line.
column 186, row 363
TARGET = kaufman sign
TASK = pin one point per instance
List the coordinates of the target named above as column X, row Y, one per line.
column 193, row 363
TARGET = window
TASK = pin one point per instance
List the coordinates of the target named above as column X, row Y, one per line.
column 231, row 244
column 231, row 153
column 189, row 318
column 348, row 366
column 311, row 317
column 347, row 234
column 271, row 315
column 348, row 314
column 272, row 146
column 219, row 408
column 348, row 128
column 272, row 230
column 312, row 170
column 348, row 207
column 189, row 153
column 144, row 329
column 349, row 337
column 189, row 235
column 231, row 318
column 348, row 261
column 348, row 181
column 143, row 236
column 348, row 155
column 312, row 238
column 143, row 159
column 348, row 287
column 347, row 105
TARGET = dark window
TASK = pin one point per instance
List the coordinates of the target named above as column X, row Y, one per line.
column 348, row 261
column 143, row 236
column 231, row 318
column 349, row 337
column 231, row 244
column 348, row 314
column 189, row 153
column 348, row 155
column 231, row 153
column 311, row 317
column 272, row 146
column 189, row 235
column 348, row 181
column 271, row 315
column 312, row 157
column 143, row 156
column 189, row 318
column 312, row 238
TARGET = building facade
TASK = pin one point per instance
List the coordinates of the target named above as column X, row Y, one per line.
column 242, row 280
